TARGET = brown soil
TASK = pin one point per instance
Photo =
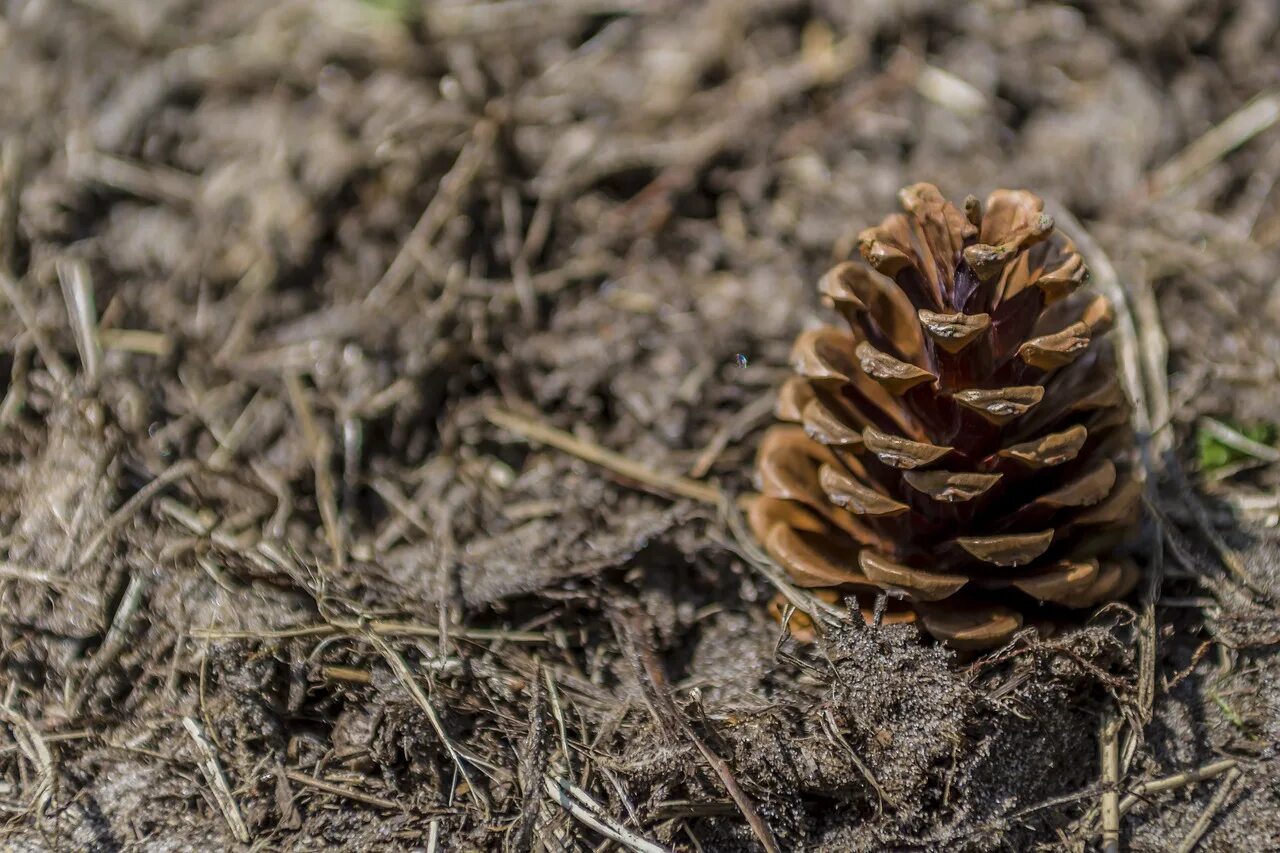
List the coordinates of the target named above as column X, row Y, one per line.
column 293, row 290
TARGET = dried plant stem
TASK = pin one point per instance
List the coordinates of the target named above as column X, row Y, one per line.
column 138, row 341
column 437, row 211
column 381, row 627
column 753, row 413
column 1232, row 132
column 1220, row 798
column 654, row 681
column 402, row 673
column 577, row 803
column 114, row 642
column 320, row 446
column 217, row 780
column 1177, row 780
column 56, row 366
column 131, row 507
column 670, row 484
column 1109, row 749
column 339, row 790
column 1107, row 281
column 35, row 749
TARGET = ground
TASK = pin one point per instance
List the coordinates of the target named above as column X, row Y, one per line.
column 379, row 378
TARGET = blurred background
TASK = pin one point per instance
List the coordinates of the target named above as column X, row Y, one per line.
column 268, row 269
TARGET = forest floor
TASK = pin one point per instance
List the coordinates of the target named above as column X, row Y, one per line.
column 378, row 380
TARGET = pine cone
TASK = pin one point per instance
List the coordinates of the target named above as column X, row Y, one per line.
column 967, row 447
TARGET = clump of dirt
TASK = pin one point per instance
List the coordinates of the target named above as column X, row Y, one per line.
column 378, row 378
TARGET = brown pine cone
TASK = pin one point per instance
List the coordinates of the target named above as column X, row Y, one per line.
column 967, row 448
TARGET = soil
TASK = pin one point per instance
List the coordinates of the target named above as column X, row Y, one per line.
column 293, row 292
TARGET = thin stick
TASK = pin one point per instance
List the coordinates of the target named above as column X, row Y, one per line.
column 217, row 780
column 131, row 507
column 340, row 790
column 575, row 801
column 758, row 559
column 157, row 183
column 401, row 670
column 11, row 163
column 1235, row 130
column 381, row 627
column 56, row 366
column 36, row 750
column 114, row 642
column 138, row 341
column 558, row 714
column 11, row 572
column 1109, row 748
column 1220, row 798
column 321, row 449
column 752, row 413
column 671, row 484
column 437, row 212
column 1153, row 347
column 663, row 707
column 1177, row 780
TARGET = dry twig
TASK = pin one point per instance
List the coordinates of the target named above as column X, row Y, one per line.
column 217, row 780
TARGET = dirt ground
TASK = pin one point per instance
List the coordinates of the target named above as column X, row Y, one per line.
column 378, row 378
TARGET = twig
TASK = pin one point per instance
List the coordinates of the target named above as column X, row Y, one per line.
column 12, row 156
column 1235, row 130
column 56, row 366
column 1220, row 798
column 530, row 770
column 749, row 416
column 1148, row 647
column 139, row 341
column 557, row 713
column 758, row 559
column 144, row 180
column 1177, row 780
column 437, row 212
column 381, row 627
column 10, row 572
column 1109, row 749
column 670, row 484
column 54, row 737
column 36, row 750
column 114, row 642
column 651, row 674
column 579, row 804
column 1153, row 347
column 834, row 730
column 340, row 790
column 320, row 446
column 131, row 507
column 217, row 780
column 406, row 679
